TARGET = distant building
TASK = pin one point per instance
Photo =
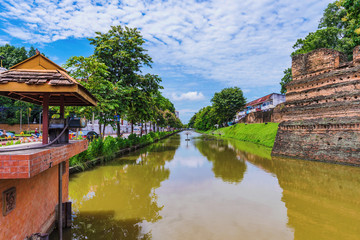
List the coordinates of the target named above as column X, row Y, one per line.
column 177, row 114
column 261, row 104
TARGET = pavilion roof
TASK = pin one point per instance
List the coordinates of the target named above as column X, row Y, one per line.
column 31, row 79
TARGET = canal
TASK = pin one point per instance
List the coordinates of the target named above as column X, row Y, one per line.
column 209, row 188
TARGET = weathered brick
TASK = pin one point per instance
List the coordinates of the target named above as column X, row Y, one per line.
column 320, row 119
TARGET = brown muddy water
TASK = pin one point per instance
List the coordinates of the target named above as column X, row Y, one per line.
column 211, row 188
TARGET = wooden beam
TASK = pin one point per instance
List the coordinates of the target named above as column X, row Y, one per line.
column 45, row 135
column 62, row 97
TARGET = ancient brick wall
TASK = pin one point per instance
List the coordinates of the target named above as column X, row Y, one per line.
column 258, row 117
column 321, row 115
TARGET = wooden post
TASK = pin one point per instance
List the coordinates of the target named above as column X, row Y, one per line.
column 60, row 222
column 45, row 135
column 62, row 107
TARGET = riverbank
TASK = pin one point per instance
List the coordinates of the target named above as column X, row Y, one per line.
column 103, row 150
column 260, row 133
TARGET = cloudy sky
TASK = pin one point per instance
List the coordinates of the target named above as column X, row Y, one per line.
column 198, row 47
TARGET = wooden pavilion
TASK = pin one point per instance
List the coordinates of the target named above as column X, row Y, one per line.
column 40, row 81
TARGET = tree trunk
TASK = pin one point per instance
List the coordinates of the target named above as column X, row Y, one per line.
column 100, row 129
column 154, row 127
column 141, row 129
column 118, row 129
column 104, row 129
column 132, row 127
column 145, row 128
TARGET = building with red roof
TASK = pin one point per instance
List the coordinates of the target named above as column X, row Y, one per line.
column 262, row 104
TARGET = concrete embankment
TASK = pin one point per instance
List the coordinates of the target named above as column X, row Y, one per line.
column 260, row 133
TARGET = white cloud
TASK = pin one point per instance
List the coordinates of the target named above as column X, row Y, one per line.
column 243, row 43
column 3, row 42
column 189, row 96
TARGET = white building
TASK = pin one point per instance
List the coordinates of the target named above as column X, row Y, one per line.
column 262, row 104
column 177, row 114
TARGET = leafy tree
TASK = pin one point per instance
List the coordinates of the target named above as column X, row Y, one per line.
column 92, row 74
column 285, row 80
column 227, row 102
column 12, row 55
column 339, row 29
column 121, row 50
column 205, row 119
column 11, row 109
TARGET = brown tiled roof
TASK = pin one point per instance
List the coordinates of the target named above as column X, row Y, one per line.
column 36, row 77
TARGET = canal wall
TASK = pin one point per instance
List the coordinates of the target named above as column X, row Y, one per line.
column 321, row 115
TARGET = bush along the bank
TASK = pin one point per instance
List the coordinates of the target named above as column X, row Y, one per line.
column 108, row 146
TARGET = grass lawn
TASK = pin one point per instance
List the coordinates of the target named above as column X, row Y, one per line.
column 260, row 133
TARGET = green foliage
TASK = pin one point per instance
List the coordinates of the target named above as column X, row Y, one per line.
column 285, row 80
column 339, row 29
column 107, row 147
column 113, row 76
column 10, row 109
column 259, row 133
column 205, row 119
column 227, row 102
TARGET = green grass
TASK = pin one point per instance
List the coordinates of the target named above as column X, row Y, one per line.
column 259, row 133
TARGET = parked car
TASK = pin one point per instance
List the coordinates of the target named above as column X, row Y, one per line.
column 86, row 134
column 6, row 134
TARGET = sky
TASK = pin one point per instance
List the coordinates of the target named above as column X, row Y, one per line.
column 198, row 47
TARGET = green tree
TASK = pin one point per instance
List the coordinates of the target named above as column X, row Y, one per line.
column 285, row 80
column 120, row 49
column 339, row 29
column 12, row 55
column 11, row 109
column 227, row 102
column 92, row 74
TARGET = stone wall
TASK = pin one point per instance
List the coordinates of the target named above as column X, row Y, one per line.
column 320, row 119
column 258, row 117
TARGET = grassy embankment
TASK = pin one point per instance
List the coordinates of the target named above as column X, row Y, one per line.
column 259, row 133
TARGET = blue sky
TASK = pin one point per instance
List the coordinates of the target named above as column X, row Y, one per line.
column 198, row 47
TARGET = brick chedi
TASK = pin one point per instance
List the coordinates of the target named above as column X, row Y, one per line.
column 321, row 115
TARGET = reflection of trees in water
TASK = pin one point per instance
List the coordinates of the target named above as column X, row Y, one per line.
column 226, row 164
column 102, row 225
column 118, row 197
column 322, row 200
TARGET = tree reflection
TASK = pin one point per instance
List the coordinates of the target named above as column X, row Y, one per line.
column 322, row 200
column 111, row 201
column 226, row 164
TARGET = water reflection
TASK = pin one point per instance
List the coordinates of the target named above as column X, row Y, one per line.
column 212, row 188
column 322, row 200
column 111, row 201
column 226, row 163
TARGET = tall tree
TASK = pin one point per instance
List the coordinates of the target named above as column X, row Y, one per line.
column 121, row 50
column 227, row 102
column 339, row 29
column 92, row 74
